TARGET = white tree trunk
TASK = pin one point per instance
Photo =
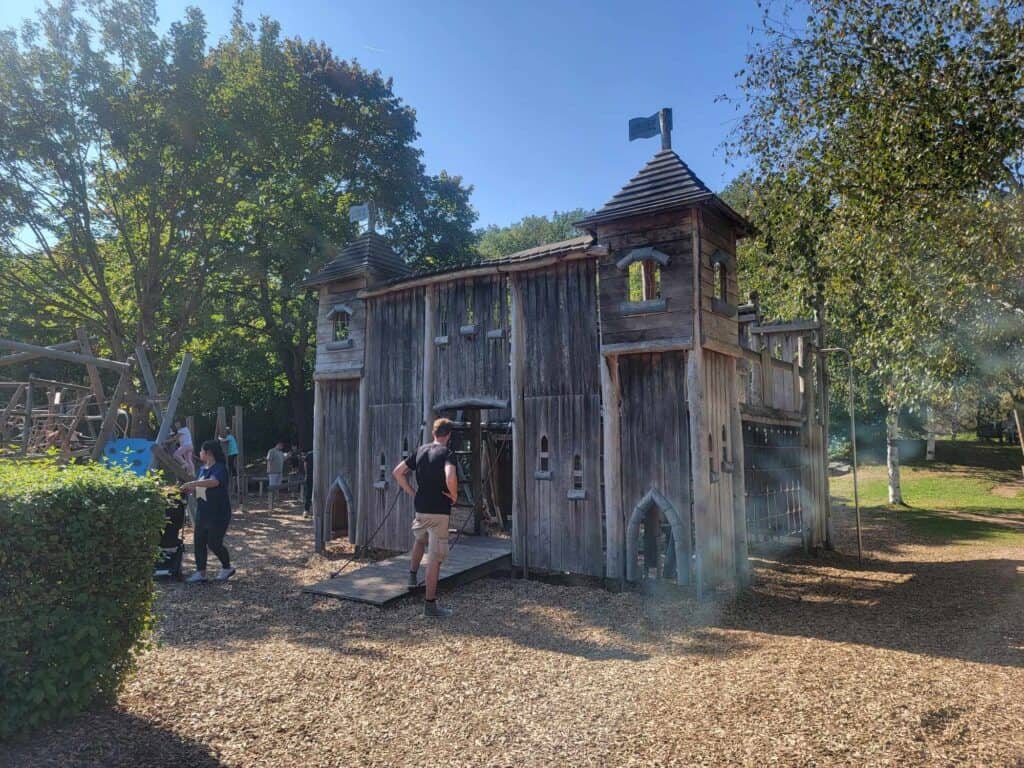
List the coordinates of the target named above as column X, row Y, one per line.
column 892, row 454
column 930, row 451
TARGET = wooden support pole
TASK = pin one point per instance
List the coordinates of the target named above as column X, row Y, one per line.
column 27, row 430
column 320, row 523
column 238, row 430
column 517, row 341
column 359, row 528
column 171, row 464
column 150, row 382
column 25, row 357
column 95, row 382
column 109, row 420
column 1018, row 417
column 476, row 467
column 739, row 480
column 614, row 513
column 9, row 409
column 705, row 534
column 172, row 402
column 56, row 354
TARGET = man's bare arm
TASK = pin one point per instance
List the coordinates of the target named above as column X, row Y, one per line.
column 452, row 479
column 401, row 475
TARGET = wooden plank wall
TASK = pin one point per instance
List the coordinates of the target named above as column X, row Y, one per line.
column 656, row 435
column 717, row 235
column 394, row 391
column 561, row 399
column 670, row 234
column 332, row 361
column 338, row 453
column 473, row 365
column 717, row 544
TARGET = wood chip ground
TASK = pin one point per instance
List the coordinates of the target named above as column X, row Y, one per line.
column 914, row 658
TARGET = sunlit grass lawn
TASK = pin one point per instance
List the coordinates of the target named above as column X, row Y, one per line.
column 948, row 500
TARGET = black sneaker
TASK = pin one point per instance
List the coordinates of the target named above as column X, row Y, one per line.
column 413, row 580
column 435, row 611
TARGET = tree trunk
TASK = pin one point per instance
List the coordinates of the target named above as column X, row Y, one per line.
column 930, row 451
column 892, row 454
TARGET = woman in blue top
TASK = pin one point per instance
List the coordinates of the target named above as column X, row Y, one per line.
column 213, row 514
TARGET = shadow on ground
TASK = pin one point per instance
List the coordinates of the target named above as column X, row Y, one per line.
column 108, row 739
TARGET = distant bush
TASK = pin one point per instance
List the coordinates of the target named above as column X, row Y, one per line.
column 77, row 547
column 839, row 448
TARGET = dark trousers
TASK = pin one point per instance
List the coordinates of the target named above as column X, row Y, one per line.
column 308, row 496
column 210, row 534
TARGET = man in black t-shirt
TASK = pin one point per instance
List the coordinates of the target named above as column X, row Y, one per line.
column 436, row 489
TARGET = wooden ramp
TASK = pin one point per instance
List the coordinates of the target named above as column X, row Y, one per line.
column 384, row 581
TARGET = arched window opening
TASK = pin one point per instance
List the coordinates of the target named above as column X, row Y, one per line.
column 719, row 281
column 470, row 309
column 545, row 462
column 644, row 281
column 383, row 468
column 577, row 472
column 341, row 329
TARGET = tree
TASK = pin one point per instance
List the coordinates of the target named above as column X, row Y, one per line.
column 873, row 129
column 529, row 232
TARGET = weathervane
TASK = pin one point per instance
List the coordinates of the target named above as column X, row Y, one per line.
column 364, row 212
column 645, row 127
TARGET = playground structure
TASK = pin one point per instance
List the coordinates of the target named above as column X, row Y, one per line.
column 652, row 426
column 85, row 421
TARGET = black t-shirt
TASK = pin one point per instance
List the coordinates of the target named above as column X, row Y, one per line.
column 429, row 462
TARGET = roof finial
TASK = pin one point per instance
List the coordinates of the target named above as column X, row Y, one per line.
column 645, row 127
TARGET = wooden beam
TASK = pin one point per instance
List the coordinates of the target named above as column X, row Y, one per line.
column 95, row 382
column 797, row 326
column 739, row 480
column 705, row 535
column 172, row 403
column 320, row 523
column 171, row 464
column 359, row 528
column 476, row 466
column 677, row 344
column 107, row 425
column 238, row 430
column 1018, row 417
column 9, row 409
column 429, row 354
column 27, row 430
column 150, row 382
column 56, row 354
column 24, row 357
column 517, row 348
column 614, row 515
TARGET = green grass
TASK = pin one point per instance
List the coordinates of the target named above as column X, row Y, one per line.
column 935, row 492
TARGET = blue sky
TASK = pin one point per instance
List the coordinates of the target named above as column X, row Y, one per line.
column 529, row 101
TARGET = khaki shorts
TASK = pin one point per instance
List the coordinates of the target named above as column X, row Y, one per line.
column 432, row 529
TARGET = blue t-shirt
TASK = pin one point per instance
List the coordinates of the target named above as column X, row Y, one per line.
column 217, row 504
column 232, row 449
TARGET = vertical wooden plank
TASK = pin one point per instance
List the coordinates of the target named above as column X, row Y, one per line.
column 611, row 437
column 26, row 433
column 516, row 342
column 739, row 489
column 320, row 533
column 429, row 354
column 358, row 529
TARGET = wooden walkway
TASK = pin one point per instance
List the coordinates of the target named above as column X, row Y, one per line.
column 384, row 581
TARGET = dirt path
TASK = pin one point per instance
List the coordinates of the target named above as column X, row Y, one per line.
column 914, row 658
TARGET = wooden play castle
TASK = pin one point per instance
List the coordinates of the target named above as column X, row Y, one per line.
column 623, row 412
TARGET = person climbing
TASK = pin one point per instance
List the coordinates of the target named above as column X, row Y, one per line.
column 185, row 450
column 275, row 471
column 213, row 513
column 436, row 490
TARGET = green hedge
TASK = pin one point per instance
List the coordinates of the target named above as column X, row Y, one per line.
column 77, row 548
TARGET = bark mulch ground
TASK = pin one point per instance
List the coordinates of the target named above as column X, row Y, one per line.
column 915, row 657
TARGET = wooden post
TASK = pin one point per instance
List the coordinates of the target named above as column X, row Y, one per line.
column 238, row 430
column 27, row 430
column 9, row 410
column 704, row 531
column 222, row 421
column 739, row 480
column 107, row 426
column 517, row 341
column 172, row 402
column 320, row 524
column 359, row 528
column 614, row 514
column 476, row 467
column 95, row 382
column 150, row 382
column 767, row 374
column 429, row 355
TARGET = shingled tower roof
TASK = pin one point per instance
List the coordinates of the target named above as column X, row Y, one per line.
column 665, row 183
column 370, row 255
